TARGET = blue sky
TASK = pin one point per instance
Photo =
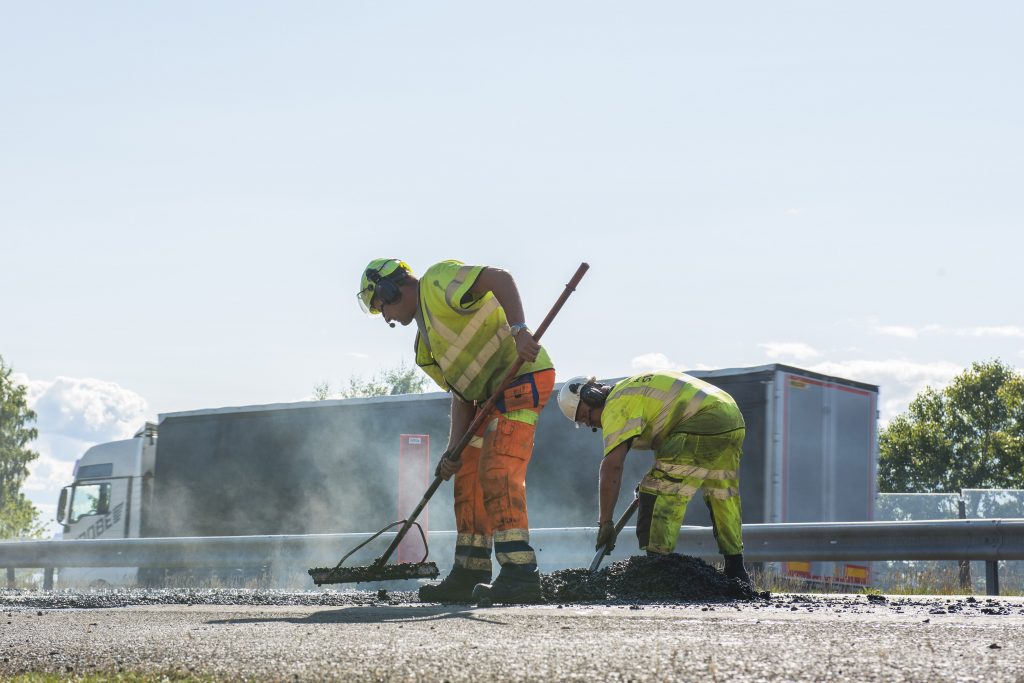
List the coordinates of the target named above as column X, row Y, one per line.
column 189, row 190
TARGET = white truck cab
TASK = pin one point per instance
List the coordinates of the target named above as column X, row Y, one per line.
column 106, row 500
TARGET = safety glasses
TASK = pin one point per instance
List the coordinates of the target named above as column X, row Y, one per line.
column 365, row 298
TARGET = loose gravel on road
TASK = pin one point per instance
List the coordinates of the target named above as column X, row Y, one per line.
column 793, row 638
column 643, row 619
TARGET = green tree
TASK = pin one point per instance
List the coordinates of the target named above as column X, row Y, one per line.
column 18, row 517
column 967, row 435
column 402, row 379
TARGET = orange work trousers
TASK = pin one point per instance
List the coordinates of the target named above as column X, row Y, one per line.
column 490, row 485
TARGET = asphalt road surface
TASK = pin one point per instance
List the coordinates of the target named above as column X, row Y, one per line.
column 362, row 637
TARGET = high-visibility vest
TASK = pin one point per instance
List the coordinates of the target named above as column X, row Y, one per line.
column 647, row 408
column 468, row 348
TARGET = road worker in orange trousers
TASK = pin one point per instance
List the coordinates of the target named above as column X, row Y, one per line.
column 471, row 328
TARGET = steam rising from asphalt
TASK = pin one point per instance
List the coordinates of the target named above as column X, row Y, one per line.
column 333, row 467
column 328, row 467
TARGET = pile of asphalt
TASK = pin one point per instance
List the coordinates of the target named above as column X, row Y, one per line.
column 659, row 579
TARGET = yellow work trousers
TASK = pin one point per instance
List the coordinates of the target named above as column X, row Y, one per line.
column 684, row 464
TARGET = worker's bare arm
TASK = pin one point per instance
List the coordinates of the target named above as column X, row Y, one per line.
column 502, row 285
column 463, row 413
column 611, row 480
column 462, row 416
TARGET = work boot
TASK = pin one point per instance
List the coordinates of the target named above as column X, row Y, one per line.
column 734, row 568
column 512, row 587
column 456, row 587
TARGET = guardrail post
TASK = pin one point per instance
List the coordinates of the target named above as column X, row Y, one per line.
column 965, row 565
column 992, row 577
column 48, row 579
column 10, row 577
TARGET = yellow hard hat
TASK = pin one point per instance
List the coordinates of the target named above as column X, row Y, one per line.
column 379, row 278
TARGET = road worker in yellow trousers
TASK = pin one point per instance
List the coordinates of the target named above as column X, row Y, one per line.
column 696, row 432
column 471, row 328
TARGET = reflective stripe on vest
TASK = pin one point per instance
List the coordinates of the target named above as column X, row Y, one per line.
column 668, row 414
column 464, row 348
column 635, row 423
column 692, row 406
column 458, row 343
column 453, row 286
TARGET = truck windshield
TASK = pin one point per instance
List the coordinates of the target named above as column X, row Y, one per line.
column 89, row 499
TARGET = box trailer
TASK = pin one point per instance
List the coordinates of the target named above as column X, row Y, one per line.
column 333, row 466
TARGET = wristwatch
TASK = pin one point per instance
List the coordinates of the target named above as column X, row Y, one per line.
column 517, row 328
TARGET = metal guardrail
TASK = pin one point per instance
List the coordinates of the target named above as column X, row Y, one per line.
column 988, row 540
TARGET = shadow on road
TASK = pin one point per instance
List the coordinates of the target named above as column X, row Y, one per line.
column 372, row 615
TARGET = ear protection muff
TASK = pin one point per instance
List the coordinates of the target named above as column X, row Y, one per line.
column 387, row 288
column 592, row 395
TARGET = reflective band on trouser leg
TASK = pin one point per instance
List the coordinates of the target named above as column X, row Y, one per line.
column 670, row 501
column 507, row 449
column 473, row 543
column 513, row 547
column 508, row 446
column 686, row 463
column 723, row 495
column 473, row 551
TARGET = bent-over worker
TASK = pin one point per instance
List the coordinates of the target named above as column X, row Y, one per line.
column 696, row 432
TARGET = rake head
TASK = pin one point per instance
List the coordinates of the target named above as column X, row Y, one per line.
column 385, row 572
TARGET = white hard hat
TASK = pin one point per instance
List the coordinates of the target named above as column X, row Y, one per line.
column 569, row 396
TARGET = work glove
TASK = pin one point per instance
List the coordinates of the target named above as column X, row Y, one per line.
column 447, row 467
column 606, row 535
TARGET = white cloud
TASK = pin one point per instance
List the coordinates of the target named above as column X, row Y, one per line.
column 1005, row 331
column 47, row 475
column 355, row 354
column 909, row 332
column 74, row 414
column 86, row 409
column 797, row 350
column 897, row 331
column 898, row 380
column 652, row 361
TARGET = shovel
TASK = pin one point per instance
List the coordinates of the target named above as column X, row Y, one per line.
column 607, row 547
